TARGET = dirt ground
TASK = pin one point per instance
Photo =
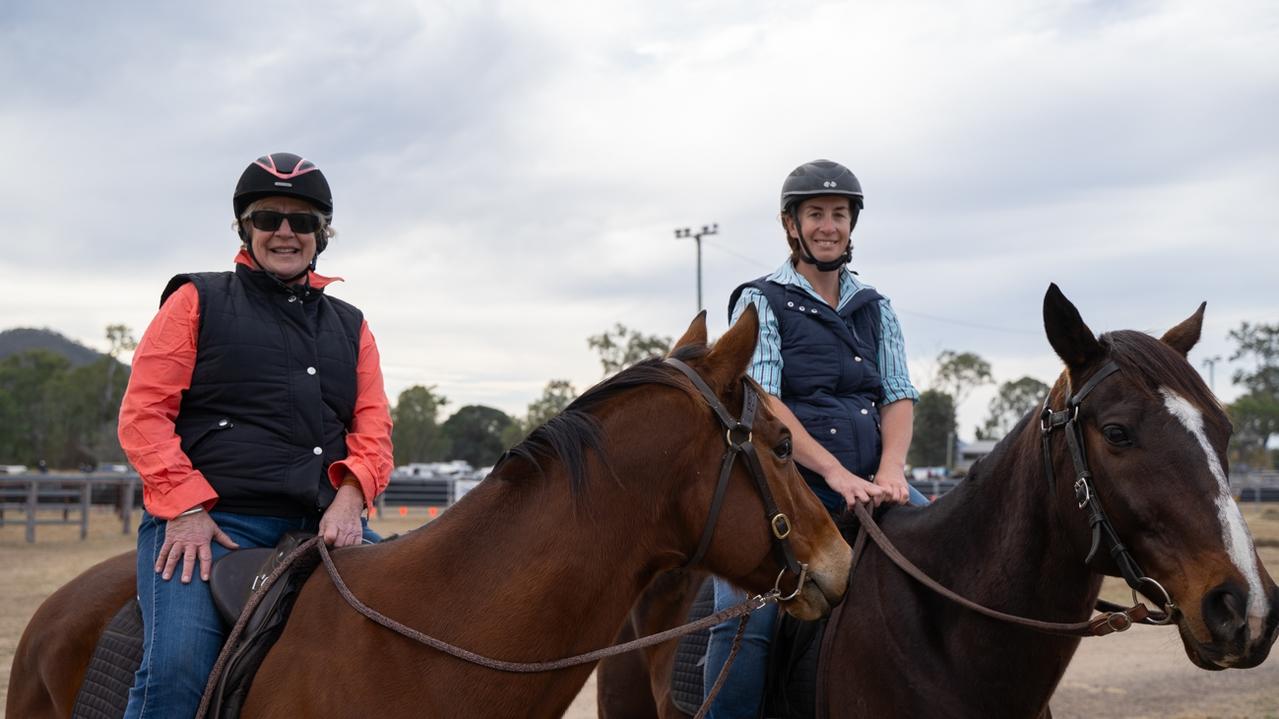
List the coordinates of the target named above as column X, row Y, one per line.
column 1141, row 673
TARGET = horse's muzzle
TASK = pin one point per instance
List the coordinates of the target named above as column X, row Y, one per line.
column 1241, row 639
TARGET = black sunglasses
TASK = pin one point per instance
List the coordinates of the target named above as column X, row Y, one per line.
column 300, row 222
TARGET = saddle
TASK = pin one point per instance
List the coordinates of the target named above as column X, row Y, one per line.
column 791, row 685
column 234, row 579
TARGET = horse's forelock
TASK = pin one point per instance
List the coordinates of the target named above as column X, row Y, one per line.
column 1159, row 366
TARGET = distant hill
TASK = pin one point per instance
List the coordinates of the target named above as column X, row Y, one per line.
column 24, row 338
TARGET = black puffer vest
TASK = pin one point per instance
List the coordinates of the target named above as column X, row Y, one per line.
column 273, row 391
column 830, row 373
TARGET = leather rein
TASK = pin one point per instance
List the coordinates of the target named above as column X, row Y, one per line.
column 738, row 437
column 1113, row 617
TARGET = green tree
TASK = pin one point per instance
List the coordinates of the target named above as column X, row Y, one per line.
column 556, row 395
column 33, row 425
column 475, row 434
column 621, row 347
column 959, row 373
column 1255, row 413
column 417, row 435
column 934, row 428
column 1010, row 404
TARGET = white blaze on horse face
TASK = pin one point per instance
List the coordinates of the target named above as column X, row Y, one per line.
column 1234, row 532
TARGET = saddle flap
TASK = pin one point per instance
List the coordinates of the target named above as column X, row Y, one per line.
column 239, row 574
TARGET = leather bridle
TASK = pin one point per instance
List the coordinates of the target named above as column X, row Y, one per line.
column 737, row 434
column 1087, row 499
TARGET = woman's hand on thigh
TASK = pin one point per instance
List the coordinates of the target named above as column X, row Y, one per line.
column 188, row 539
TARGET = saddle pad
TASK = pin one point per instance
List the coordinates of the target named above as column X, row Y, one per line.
column 105, row 691
column 690, row 655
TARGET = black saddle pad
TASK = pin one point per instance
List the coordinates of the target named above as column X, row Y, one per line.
column 105, row 691
column 791, row 688
column 690, row 655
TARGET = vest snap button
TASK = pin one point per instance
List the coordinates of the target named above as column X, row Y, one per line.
column 223, row 422
column 790, row 304
column 865, row 411
column 857, row 359
column 320, row 450
column 801, row 308
column 293, row 298
column 310, row 370
column 833, row 430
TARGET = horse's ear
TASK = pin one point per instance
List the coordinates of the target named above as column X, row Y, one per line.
column 1185, row 335
column 695, row 334
column 731, row 355
column 1070, row 338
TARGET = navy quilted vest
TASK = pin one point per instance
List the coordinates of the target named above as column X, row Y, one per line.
column 830, row 373
column 272, row 394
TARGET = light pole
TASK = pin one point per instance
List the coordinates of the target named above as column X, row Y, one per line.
column 684, row 232
column 1211, row 364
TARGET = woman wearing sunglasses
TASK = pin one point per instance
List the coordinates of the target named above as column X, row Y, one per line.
column 255, row 406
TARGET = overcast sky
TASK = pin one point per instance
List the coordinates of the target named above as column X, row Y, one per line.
column 508, row 176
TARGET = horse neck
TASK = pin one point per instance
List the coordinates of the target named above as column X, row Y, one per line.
column 526, row 559
column 1005, row 516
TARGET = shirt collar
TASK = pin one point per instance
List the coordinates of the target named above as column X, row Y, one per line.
column 848, row 283
column 315, row 279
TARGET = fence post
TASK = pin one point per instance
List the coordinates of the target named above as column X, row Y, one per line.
column 85, row 490
column 126, row 502
column 33, row 494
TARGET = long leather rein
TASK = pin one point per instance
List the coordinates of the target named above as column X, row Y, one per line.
column 1113, row 617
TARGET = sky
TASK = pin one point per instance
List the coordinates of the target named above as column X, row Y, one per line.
column 508, row 176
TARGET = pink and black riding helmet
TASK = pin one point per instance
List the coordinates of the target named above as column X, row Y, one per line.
column 288, row 175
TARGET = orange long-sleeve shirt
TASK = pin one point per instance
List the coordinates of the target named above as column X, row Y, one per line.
column 162, row 369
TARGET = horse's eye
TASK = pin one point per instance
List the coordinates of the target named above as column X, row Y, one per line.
column 1116, row 435
column 783, row 449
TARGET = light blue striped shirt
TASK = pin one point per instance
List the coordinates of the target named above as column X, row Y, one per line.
column 766, row 365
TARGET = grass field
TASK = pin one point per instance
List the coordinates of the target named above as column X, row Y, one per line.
column 1141, row 673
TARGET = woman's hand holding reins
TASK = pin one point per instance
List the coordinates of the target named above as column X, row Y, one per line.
column 186, row 539
column 854, row 489
column 340, row 526
column 893, row 482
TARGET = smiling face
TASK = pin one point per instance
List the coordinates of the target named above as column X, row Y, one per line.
column 826, row 222
column 283, row 252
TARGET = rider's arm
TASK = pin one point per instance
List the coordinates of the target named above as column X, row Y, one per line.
column 162, row 367
column 369, row 458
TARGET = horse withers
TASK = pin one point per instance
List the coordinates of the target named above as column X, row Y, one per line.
column 542, row 560
column 1012, row 536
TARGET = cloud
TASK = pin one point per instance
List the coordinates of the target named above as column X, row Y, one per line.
column 508, row 175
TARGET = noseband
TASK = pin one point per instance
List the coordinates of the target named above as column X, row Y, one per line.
column 737, row 434
column 1087, row 499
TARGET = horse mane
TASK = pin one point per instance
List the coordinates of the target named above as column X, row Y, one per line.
column 572, row 435
column 1141, row 356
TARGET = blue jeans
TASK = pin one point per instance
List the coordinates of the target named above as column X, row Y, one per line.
column 743, row 689
column 182, row 631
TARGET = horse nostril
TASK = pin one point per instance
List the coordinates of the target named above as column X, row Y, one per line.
column 1225, row 612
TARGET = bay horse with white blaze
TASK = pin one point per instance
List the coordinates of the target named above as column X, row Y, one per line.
column 541, row 561
column 1013, row 537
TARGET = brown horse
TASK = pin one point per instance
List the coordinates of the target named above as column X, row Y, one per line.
column 1013, row 538
column 541, row 561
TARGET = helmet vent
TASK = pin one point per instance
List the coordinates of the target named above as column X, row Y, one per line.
column 283, row 184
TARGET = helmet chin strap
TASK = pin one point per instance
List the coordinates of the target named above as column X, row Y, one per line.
column 807, row 255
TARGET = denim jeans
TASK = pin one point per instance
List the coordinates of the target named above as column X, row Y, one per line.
column 743, row 690
column 182, row 631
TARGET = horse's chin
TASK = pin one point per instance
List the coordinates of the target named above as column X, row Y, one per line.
column 811, row 603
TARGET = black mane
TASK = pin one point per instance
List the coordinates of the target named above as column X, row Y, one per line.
column 573, row 434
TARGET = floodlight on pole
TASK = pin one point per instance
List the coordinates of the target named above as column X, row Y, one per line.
column 684, row 233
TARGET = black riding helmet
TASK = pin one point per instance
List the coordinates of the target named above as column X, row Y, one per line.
column 816, row 179
column 289, row 175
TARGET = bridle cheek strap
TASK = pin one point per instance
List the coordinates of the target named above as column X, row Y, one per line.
column 1103, row 532
column 737, row 435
